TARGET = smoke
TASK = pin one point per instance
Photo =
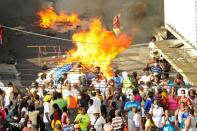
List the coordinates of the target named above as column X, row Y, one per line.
column 17, row 8
column 139, row 18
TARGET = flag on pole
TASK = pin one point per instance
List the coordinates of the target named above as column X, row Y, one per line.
column 1, row 35
column 116, row 25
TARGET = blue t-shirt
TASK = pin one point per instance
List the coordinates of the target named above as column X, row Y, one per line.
column 168, row 126
column 130, row 104
column 118, row 81
column 147, row 105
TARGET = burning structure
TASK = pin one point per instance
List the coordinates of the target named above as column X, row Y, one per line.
column 94, row 46
column 48, row 17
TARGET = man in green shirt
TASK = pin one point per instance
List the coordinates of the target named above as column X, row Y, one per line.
column 60, row 101
column 83, row 119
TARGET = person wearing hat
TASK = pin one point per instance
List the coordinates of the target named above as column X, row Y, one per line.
column 98, row 120
column 47, row 113
column 77, row 127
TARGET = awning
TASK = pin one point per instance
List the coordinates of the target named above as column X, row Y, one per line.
column 180, row 59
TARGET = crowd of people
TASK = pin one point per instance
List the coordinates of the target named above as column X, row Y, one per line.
column 155, row 101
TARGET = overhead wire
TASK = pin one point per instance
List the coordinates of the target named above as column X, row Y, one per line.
column 52, row 37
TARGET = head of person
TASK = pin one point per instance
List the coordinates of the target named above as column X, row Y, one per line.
column 111, row 82
column 156, row 62
column 65, row 109
column 96, row 113
column 135, row 92
column 98, row 92
column 67, row 84
column 134, row 109
column 167, row 113
column 31, row 107
column 125, row 74
column 55, row 107
column 117, row 113
column 108, row 119
column 51, row 84
column 91, row 102
column 192, row 94
column 179, row 76
column 146, row 71
column 115, row 74
column 156, row 78
column 77, row 127
column 47, row 98
column 10, row 84
column 113, row 104
column 83, row 110
column 59, row 95
column 153, row 38
column 182, row 93
column 150, row 95
column 191, row 112
column 93, row 93
column 148, row 116
column 134, row 74
column 97, row 69
column 182, row 105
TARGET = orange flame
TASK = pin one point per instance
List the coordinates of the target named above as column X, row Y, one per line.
column 48, row 17
column 97, row 47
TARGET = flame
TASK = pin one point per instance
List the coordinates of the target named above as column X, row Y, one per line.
column 48, row 17
column 97, row 47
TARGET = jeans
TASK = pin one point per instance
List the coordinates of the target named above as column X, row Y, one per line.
column 48, row 127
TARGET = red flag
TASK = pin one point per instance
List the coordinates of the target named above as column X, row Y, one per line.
column 116, row 22
column 1, row 35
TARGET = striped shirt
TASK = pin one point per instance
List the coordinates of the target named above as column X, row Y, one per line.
column 117, row 123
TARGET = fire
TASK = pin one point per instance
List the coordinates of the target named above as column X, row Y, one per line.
column 48, row 17
column 97, row 47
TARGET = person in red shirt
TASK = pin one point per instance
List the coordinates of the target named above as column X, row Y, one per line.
column 184, row 99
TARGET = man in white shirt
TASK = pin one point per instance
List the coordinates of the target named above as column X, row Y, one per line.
column 91, row 109
column 47, row 113
column 40, row 79
column 97, row 101
column 145, row 78
column 137, row 120
column 157, row 113
column 97, row 121
column 152, row 47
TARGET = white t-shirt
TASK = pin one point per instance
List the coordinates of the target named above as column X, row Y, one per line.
column 90, row 111
column 145, row 78
column 157, row 116
column 47, row 109
column 66, row 93
column 97, row 102
column 99, row 123
column 8, row 92
column 40, row 81
column 137, row 120
column 152, row 46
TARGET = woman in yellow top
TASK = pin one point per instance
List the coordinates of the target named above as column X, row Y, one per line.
column 149, row 125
